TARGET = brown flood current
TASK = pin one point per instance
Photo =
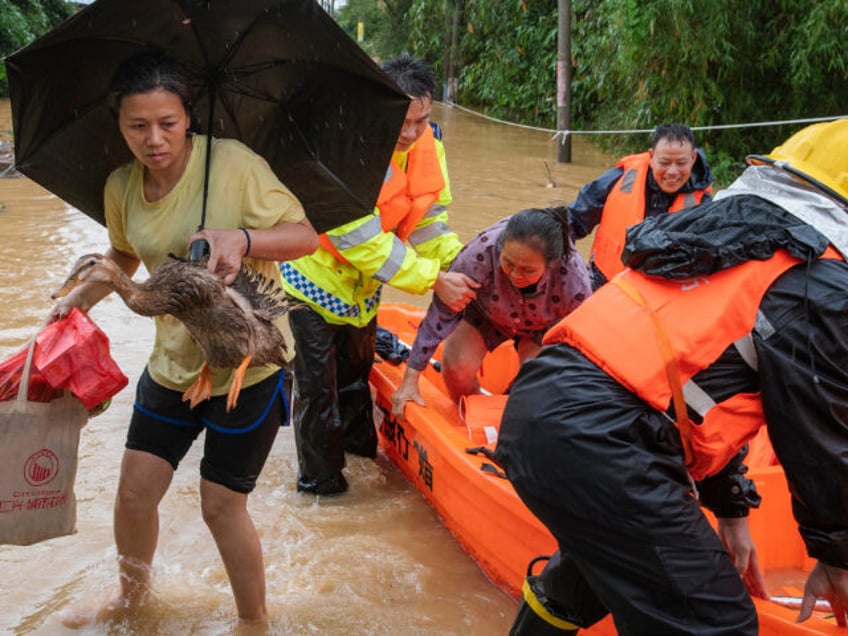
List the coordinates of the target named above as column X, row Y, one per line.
column 376, row 561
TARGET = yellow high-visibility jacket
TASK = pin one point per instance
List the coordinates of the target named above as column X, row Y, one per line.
column 342, row 280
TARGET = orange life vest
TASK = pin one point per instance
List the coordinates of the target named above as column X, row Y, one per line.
column 625, row 206
column 643, row 330
column 406, row 196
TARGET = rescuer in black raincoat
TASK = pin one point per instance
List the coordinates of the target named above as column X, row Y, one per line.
column 605, row 470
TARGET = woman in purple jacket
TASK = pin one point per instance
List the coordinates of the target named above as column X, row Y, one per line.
column 530, row 276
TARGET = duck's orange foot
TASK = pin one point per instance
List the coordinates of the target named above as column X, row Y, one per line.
column 201, row 389
column 235, row 385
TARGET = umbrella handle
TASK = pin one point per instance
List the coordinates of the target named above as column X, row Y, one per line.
column 198, row 250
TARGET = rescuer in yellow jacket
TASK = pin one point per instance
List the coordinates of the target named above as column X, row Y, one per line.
column 671, row 176
column 405, row 243
column 733, row 316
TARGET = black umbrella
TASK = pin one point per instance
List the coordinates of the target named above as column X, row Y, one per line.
column 280, row 76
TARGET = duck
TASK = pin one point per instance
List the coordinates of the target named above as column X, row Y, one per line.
column 231, row 325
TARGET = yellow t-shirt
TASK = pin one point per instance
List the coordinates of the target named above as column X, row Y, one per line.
column 243, row 192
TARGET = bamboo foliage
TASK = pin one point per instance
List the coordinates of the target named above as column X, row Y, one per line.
column 638, row 63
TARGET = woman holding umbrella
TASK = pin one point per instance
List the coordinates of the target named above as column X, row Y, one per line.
column 152, row 208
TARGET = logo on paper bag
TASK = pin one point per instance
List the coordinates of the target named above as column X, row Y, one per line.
column 41, row 467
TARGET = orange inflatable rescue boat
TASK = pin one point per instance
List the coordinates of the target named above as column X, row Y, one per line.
column 441, row 449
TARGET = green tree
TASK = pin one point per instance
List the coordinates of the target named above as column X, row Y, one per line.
column 509, row 52
column 639, row 63
column 370, row 15
column 394, row 38
column 21, row 21
column 506, row 55
column 386, row 31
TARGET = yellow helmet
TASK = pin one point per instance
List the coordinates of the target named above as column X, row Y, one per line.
column 818, row 154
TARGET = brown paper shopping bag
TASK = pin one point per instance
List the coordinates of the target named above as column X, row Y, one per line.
column 38, row 464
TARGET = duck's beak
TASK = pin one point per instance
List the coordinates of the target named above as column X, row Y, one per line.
column 66, row 287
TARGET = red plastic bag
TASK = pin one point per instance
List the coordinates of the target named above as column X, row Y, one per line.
column 11, row 369
column 73, row 354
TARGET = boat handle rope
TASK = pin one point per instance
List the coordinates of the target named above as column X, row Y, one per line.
column 485, row 451
column 489, row 454
column 489, row 468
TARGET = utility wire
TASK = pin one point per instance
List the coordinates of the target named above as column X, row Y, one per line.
column 564, row 133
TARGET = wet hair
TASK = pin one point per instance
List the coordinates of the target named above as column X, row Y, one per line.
column 545, row 230
column 413, row 77
column 673, row 132
column 148, row 71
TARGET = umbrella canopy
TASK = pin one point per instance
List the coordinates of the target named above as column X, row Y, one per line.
column 280, row 76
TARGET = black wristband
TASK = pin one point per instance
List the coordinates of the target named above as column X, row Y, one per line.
column 247, row 236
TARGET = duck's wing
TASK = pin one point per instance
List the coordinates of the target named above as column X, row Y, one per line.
column 266, row 299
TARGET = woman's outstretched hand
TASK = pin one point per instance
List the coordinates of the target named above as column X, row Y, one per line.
column 407, row 391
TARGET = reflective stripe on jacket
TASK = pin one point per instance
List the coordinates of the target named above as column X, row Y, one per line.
column 701, row 317
column 625, row 206
column 342, row 279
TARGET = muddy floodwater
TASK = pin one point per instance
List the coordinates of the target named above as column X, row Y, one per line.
column 376, row 561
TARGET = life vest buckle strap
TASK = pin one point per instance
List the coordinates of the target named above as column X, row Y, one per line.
column 672, row 372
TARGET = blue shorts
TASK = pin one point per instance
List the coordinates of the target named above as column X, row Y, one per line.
column 237, row 443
